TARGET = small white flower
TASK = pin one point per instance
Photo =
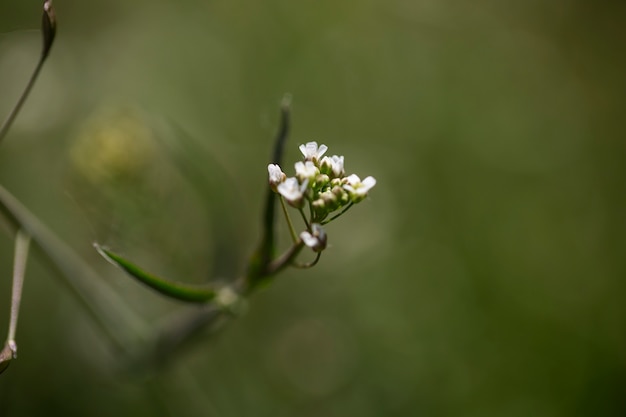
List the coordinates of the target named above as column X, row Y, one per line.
column 292, row 191
column 276, row 175
column 358, row 189
column 306, row 170
column 315, row 240
column 311, row 152
column 333, row 164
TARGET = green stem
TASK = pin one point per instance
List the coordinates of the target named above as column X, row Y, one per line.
column 349, row 206
column 306, row 221
column 22, row 244
column 294, row 236
column 48, row 29
column 309, row 264
column 285, row 259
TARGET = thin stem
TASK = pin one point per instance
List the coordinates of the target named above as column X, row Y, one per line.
column 48, row 29
column 11, row 117
column 292, row 231
column 309, row 264
column 306, row 222
column 285, row 259
column 22, row 244
column 338, row 214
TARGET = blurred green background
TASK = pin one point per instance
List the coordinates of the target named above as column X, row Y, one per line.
column 484, row 276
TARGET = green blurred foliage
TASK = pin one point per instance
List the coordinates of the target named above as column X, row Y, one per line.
column 484, row 276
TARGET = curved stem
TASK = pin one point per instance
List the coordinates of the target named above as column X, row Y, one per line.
column 348, row 207
column 20, row 102
column 309, row 264
column 285, row 259
column 48, row 29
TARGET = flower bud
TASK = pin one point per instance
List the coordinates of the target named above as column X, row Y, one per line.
column 276, row 175
column 316, row 239
column 321, row 180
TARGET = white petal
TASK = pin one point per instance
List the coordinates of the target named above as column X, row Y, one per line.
column 306, row 169
column 337, row 165
column 275, row 173
column 353, row 180
column 290, row 189
column 369, row 183
column 309, row 150
column 308, row 239
column 315, row 240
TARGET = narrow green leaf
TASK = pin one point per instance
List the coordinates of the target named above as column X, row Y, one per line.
column 262, row 257
column 177, row 290
column 107, row 308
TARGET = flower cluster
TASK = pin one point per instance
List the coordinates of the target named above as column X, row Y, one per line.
column 321, row 183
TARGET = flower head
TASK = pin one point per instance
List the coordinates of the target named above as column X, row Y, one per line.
column 316, row 239
column 358, row 189
column 292, row 191
column 311, row 152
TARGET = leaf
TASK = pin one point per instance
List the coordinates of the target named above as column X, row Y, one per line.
column 106, row 307
column 177, row 290
column 260, row 260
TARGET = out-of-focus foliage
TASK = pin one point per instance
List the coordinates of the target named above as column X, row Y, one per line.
column 484, row 277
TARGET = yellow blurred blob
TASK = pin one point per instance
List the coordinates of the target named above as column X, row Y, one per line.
column 113, row 146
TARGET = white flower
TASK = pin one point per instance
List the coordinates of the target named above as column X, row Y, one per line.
column 333, row 164
column 292, row 191
column 315, row 240
column 306, row 170
column 358, row 189
column 276, row 175
column 311, row 152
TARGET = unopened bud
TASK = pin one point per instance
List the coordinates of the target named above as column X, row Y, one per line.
column 48, row 27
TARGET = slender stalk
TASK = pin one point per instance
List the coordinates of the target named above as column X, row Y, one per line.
column 285, row 259
column 338, row 214
column 48, row 29
column 18, row 106
column 306, row 221
column 22, row 244
column 309, row 264
column 292, row 231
